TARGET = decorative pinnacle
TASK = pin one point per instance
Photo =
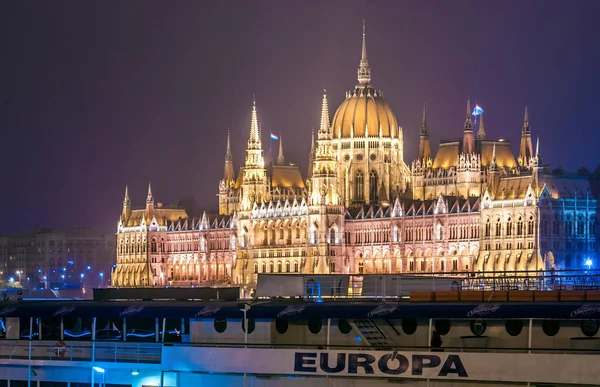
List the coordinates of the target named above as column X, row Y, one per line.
column 280, row 158
column 364, row 71
column 254, row 138
column 324, row 127
column 228, row 155
column 424, row 123
column 468, row 122
column 481, row 132
column 126, row 199
column 149, row 198
column 526, row 120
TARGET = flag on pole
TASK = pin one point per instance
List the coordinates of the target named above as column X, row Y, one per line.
column 478, row 110
column 274, row 136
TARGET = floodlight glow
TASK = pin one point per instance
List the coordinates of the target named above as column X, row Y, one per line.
column 135, row 372
column 98, row 369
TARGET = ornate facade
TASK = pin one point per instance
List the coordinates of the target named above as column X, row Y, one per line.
column 472, row 207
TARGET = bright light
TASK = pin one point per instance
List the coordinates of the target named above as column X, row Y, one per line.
column 588, row 263
column 11, row 279
column 62, row 276
column 135, row 372
column 39, row 270
column 45, row 278
column 81, row 275
column 101, row 274
column 98, row 369
column 89, row 267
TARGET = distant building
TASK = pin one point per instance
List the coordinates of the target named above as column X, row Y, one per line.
column 472, row 207
column 74, row 256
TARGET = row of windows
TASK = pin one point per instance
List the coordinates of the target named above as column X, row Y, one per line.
column 280, row 267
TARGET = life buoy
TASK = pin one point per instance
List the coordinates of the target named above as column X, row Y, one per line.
column 60, row 348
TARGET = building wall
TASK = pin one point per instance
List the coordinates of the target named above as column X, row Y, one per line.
column 82, row 255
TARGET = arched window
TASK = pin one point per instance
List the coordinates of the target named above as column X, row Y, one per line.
column 296, row 267
column 153, row 246
column 520, row 226
column 298, row 231
column 281, row 232
column 488, row 227
column 580, row 224
column 373, row 179
column 255, row 267
column 264, row 267
column 555, row 225
column 359, row 186
column 279, row 267
column 498, row 230
column 569, row 225
column 592, row 230
column 530, row 225
column 287, row 267
column 439, row 232
column 509, row 226
column 271, row 267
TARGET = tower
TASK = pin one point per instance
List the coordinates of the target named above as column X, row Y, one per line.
column 424, row 147
column 226, row 183
column 254, row 183
column 280, row 158
column 364, row 71
column 325, row 213
column 149, row 201
column 525, row 150
column 126, row 206
column 481, row 131
column 468, row 140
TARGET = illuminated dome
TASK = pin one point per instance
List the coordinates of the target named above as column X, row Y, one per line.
column 364, row 112
column 364, row 108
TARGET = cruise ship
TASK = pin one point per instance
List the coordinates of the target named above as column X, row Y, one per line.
column 312, row 330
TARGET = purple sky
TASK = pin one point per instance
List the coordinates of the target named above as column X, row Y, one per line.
column 98, row 94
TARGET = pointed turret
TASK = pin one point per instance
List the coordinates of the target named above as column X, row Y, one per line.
column 324, row 130
column 254, row 141
column 424, row 146
column 525, row 150
column 228, row 174
column 254, row 152
column 126, row 205
column 149, row 198
column 468, row 139
column 280, row 158
column 364, row 71
column 481, row 131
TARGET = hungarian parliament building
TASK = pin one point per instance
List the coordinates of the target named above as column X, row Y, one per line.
column 473, row 207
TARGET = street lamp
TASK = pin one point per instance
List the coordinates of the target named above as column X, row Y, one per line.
column 588, row 263
column 102, row 276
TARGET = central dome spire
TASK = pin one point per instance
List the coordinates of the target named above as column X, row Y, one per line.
column 364, row 71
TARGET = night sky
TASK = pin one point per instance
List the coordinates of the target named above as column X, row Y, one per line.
column 95, row 95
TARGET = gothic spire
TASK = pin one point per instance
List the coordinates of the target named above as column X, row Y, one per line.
column 228, row 173
column 468, row 139
column 526, row 128
column 228, row 155
column 324, row 131
column 424, row 123
column 254, row 141
column 468, row 122
column 481, row 132
column 364, row 71
column 424, row 147
column 126, row 200
column 149, row 197
column 280, row 158
column 526, row 149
